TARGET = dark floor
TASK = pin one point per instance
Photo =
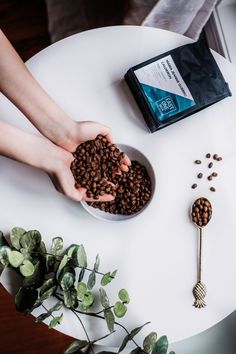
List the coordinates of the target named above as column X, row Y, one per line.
column 25, row 24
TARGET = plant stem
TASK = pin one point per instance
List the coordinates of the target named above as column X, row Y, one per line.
column 86, row 333
column 47, row 310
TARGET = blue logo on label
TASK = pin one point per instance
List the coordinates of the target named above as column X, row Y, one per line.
column 166, row 105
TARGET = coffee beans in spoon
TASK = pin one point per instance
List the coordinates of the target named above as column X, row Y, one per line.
column 201, row 212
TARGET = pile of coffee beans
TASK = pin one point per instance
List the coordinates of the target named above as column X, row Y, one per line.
column 97, row 162
column 132, row 194
column 201, row 212
column 209, row 177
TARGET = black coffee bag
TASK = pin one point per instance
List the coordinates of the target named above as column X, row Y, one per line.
column 176, row 84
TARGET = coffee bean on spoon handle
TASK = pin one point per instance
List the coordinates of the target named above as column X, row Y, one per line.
column 201, row 213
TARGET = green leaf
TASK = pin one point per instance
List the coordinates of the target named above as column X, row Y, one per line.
column 42, row 317
column 171, row 352
column 70, row 298
column 88, row 300
column 124, row 296
column 75, row 346
column 50, row 261
column 91, row 280
column 15, row 236
column 81, row 290
column 108, row 277
column 25, row 299
column 120, row 309
column 81, row 274
column 37, row 278
column 67, row 281
column 56, row 307
column 48, row 284
column 2, row 267
column 137, row 350
column 27, row 268
column 57, row 246
column 62, row 264
column 97, row 263
column 110, row 319
column 104, row 298
column 47, row 294
column 3, row 241
column 81, row 257
column 130, row 336
column 42, row 248
column 15, row 258
column 149, row 342
column 105, row 352
column 4, row 250
column 55, row 321
column 161, row 346
column 31, row 240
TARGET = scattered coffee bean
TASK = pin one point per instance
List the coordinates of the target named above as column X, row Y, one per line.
column 201, row 212
column 194, row 186
column 214, row 174
column 198, row 162
column 208, row 155
column 210, row 165
column 219, row 158
column 212, row 189
column 200, row 175
column 215, row 156
column 209, row 178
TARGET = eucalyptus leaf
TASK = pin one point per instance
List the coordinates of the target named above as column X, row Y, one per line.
column 97, row 263
column 50, row 262
column 25, row 299
column 57, row 246
column 27, row 268
column 48, row 284
column 149, row 342
column 42, row 317
column 91, row 280
column 3, row 241
column 62, row 264
column 120, row 309
column 70, row 298
column 15, row 236
column 81, row 290
column 4, row 250
column 88, row 300
column 81, row 257
column 124, row 296
column 37, row 278
column 71, row 249
column 137, row 350
column 67, row 281
column 130, row 336
column 110, row 319
column 104, row 298
column 161, row 346
column 47, row 294
column 15, row 258
column 31, row 240
column 56, row 307
column 81, row 274
column 108, row 277
column 75, row 346
column 55, row 321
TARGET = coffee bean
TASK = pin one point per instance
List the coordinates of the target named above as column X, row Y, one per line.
column 219, row 158
column 200, row 175
column 198, row 162
column 215, row 156
column 214, row 174
column 212, row 189
column 210, row 165
column 194, row 186
column 209, row 177
column 208, row 155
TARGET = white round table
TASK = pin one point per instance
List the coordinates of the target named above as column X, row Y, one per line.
column 156, row 251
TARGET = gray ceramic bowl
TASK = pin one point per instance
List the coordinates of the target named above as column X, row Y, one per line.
column 133, row 154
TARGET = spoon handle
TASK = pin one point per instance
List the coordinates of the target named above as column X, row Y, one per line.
column 200, row 290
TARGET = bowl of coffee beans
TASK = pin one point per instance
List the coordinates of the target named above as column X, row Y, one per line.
column 97, row 162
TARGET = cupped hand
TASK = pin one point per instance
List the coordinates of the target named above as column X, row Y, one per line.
column 58, row 169
column 89, row 130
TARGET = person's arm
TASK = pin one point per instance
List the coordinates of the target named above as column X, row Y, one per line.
column 43, row 154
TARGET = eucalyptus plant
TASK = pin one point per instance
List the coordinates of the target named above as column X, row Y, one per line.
column 60, row 274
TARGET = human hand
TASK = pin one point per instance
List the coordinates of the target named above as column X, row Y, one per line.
column 58, row 169
column 89, row 130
